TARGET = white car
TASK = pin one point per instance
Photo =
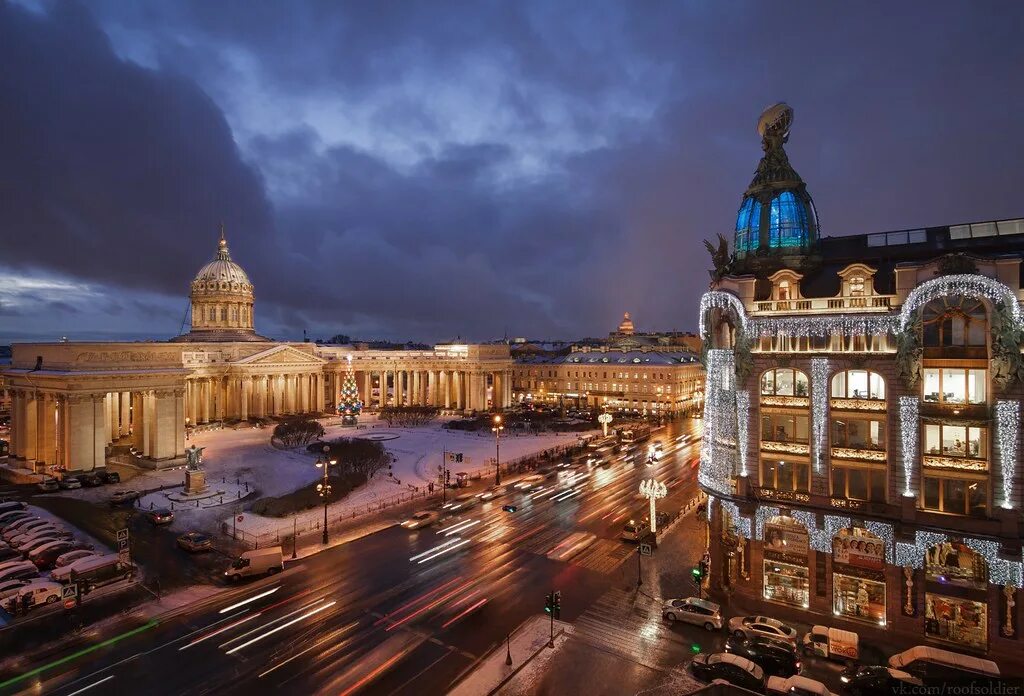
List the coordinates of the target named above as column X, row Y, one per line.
column 41, row 591
column 572, row 545
column 9, row 588
column 423, row 518
column 777, row 686
column 748, row 626
column 699, row 612
column 72, row 556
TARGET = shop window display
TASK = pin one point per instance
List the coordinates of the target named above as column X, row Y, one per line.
column 954, row 563
column 787, row 583
column 858, row 598
column 955, row 620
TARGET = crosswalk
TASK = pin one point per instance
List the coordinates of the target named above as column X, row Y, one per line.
column 603, row 556
column 629, row 624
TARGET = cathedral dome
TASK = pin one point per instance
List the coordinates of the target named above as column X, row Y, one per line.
column 776, row 214
column 222, row 274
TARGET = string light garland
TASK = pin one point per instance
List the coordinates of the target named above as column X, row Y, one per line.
column 883, row 531
column 742, row 427
column 762, row 515
column 967, row 284
column 718, row 445
column 1007, row 425
column 740, row 524
column 718, row 299
column 909, row 436
column 823, row 326
column 819, row 409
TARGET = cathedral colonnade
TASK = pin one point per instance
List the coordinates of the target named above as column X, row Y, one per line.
column 449, row 389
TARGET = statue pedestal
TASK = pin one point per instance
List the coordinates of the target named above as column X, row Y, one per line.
column 195, row 482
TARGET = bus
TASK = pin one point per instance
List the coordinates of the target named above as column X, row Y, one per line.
column 636, row 433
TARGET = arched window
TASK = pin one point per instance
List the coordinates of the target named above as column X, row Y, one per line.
column 954, row 320
column 748, row 222
column 858, row 384
column 784, row 381
column 783, row 289
column 788, row 226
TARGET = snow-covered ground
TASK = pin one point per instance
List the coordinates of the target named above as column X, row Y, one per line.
column 246, row 455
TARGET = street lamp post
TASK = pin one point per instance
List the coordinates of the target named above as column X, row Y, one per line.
column 496, row 429
column 653, row 489
column 324, row 488
column 604, row 419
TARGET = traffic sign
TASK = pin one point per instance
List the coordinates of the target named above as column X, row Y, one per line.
column 69, row 603
column 645, row 550
column 240, row 518
column 122, row 534
column 124, row 556
column 69, row 592
column 122, row 544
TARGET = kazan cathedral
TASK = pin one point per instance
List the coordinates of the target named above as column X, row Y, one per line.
column 862, row 441
column 76, row 405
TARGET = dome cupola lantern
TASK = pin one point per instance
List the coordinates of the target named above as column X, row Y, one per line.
column 222, row 300
column 776, row 216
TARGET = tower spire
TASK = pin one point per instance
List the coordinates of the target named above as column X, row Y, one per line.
column 222, row 245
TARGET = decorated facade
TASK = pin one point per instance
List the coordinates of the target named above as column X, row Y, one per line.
column 862, row 419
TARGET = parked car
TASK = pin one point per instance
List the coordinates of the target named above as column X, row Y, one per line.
column 9, row 588
column 18, row 571
column 45, row 557
column 26, row 546
column 935, row 663
column 692, row 610
column 107, row 476
column 160, row 516
column 12, row 506
column 796, row 684
column 90, row 479
column 122, row 497
column 12, row 515
column 776, row 657
column 256, row 562
column 635, row 529
column 746, row 626
column 423, row 518
column 69, row 482
column 93, row 571
column 22, row 526
column 194, row 542
column 8, row 554
column 70, row 557
column 738, row 671
column 48, row 485
column 876, row 679
column 40, row 591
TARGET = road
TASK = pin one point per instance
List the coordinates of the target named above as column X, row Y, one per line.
column 395, row 612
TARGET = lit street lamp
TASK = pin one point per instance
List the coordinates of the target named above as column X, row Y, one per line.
column 653, row 489
column 324, row 489
column 496, row 429
column 604, row 419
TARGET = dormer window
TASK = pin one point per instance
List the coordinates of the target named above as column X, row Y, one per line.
column 784, row 290
column 857, row 286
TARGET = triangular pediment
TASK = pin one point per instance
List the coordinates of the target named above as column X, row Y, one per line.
column 280, row 355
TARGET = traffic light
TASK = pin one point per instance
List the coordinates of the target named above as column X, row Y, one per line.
column 557, row 604
column 703, row 567
column 698, row 573
column 549, row 602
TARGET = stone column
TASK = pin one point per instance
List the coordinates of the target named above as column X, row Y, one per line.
column 30, row 409
column 165, row 429
column 445, row 396
column 244, row 401
column 126, row 414
column 46, row 450
column 139, row 419
column 481, row 394
column 16, row 422
column 431, row 388
column 115, row 415
column 204, row 401
column 261, row 395
column 86, row 434
column 457, row 388
column 179, row 422
column 147, row 422
column 508, row 390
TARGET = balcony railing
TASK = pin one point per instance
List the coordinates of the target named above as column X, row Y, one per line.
column 874, row 303
column 790, row 401
column 934, row 461
column 864, row 454
column 875, row 405
column 788, row 447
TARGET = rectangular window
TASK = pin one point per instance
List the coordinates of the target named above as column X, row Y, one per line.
column 858, row 598
column 784, row 582
column 955, row 496
column 961, row 622
column 931, row 493
column 954, row 386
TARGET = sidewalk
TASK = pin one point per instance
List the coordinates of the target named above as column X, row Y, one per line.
column 530, row 653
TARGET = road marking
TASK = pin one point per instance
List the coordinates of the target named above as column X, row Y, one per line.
column 283, row 626
column 225, row 610
column 86, row 688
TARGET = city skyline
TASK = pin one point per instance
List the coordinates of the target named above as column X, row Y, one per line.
column 463, row 182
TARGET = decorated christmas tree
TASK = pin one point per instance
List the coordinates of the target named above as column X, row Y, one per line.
column 349, row 404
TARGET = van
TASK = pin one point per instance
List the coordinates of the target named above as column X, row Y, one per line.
column 94, row 571
column 925, row 661
column 635, row 530
column 256, row 562
column 834, row 643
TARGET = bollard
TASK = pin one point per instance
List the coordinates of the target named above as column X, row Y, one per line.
column 246, row 486
column 238, row 494
column 151, row 505
column 222, row 500
column 197, row 504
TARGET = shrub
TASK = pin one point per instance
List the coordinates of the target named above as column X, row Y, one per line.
column 408, row 416
column 298, row 431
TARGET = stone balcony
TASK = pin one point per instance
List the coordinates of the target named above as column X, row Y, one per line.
column 825, row 305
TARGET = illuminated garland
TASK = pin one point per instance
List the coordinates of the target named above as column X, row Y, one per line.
column 883, row 531
column 819, row 409
column 740, row 524
column 717, row 299
column 719, row 439
column 822, row 326
column 742, row 427
column 909, row 436
column 969, row 285
column 1007, row 424
column 763, row 513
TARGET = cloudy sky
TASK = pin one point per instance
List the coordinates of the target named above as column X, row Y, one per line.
column 421, row 170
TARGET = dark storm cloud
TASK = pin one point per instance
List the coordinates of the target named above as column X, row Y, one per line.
column 418, row 170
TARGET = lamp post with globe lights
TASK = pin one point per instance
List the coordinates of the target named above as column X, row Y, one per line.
column 652, row 489
column 496, row 428
column 604, row 419
column 324, row 488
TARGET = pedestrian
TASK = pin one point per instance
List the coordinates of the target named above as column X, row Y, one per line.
column 26, row 602
column 156, row 586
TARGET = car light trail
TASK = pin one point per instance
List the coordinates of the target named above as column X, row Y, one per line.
column 416, row 601
column 544, row 493
column 284, row 626
column 463, row 542
column 436, row 548
column 337, row 634
column 428, row 607
column 373, row 675
column 268, row 624
column 220, row 630
column 86, row 688
column 566, row 495
column 225, row 610
column 476, row 606
column 455, row 528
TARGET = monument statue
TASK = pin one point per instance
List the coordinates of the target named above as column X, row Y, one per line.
column 194, row 458
column 195, row 477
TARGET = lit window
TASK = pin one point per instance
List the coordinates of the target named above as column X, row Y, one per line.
column 954, row 385
column 858, row 384
column 788, row 226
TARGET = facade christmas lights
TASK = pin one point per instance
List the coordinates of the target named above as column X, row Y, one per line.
column 968, row 284
column 909, row 436
column 718, row 446
column 742, row 427
column 819, row 410
column 718, row 299
column 1007, row 426
column 883, row 531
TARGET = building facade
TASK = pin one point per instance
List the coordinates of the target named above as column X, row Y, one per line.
column 862, row 423
column 73, row 404
column 638, row 380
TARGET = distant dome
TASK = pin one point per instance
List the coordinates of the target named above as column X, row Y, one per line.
column 777, row 213
column 626, row 326
column 222, row 273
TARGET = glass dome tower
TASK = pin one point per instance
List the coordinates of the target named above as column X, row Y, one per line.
column 776, row 215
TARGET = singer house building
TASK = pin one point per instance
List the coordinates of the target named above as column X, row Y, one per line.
column 862, row 430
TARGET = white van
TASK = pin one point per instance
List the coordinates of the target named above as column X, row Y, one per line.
column 256, row 562
column 926, row 661
column 94, row 571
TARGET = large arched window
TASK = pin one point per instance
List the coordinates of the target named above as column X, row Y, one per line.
column 858, row 384
column 748, row 223
column 788, row 225
column 954, row 320
column 784, row 381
